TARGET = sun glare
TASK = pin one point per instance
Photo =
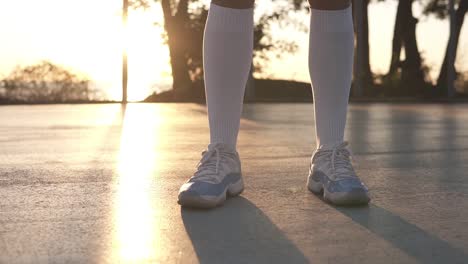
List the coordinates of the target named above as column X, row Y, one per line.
column 136, row 234
column 87, row 37
column 148, row 58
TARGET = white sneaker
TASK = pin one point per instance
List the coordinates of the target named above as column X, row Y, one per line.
column 218, row 175
column 332, row 174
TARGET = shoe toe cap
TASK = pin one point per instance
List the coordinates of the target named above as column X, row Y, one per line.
column 201, row 189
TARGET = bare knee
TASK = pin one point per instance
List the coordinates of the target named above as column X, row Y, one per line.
column 238, row 4
column 329, row 4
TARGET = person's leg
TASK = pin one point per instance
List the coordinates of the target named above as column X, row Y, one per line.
column 227, row 56
column 331, row 47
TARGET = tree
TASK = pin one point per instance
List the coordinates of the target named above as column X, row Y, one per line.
column 44, row 82
column 364, row 72
column 184, row 23
column 411, row 70
column 439, row 9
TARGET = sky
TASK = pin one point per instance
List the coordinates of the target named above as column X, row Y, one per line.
column 87, row 37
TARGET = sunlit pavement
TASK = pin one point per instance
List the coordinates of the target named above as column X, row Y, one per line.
column 98, row 184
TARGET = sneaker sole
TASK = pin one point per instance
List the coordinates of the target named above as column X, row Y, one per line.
column 354, row 197
column 207, row 202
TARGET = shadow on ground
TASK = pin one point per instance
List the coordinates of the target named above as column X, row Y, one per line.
column 409, row 238
column 238, row 232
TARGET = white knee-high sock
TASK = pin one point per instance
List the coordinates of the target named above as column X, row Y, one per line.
column 227, row 56
column 331, row 48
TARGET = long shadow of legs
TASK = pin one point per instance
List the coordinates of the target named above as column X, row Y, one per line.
column 414, row 241
column 238, row 232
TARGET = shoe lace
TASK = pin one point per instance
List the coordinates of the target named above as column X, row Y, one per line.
column 340, row 159
column 209, row 165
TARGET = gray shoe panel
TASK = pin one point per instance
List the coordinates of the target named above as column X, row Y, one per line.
column 342, row 185
column 210, row 189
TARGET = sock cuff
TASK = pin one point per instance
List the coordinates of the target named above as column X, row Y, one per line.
column 230, row 19
column 332, row 20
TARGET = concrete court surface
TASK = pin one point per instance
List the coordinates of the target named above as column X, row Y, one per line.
column 98, row 184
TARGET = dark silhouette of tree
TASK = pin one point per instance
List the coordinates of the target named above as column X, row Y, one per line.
column 439, row 9
column 365, row 73
column 44, row 82
column 184, row 23
column 410, row 71
column 176, row 23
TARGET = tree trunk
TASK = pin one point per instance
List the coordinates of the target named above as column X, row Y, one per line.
column 459, row 19
column 366, row 73
column 397, row 41
column 412, row 75
column 362, row 71
column 175, row 26
column 366, row 57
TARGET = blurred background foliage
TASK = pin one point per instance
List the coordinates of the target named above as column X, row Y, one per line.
column 43, row 83
column 184, row 21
